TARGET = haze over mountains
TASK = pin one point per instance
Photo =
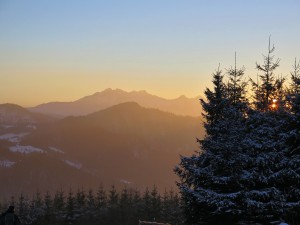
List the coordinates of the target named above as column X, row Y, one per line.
column 109, row 97
column 124, row 144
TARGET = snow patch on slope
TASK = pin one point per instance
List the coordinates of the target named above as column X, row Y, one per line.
column 125, row 181
column 11, row 137
column 7, row 163
column 7, row 126
column 31, row 126
column 56, row 150
column 73, row 164
column 25, row 149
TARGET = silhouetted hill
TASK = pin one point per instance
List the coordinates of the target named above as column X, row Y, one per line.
column 14, row 114
column 124, row 144
column 109, row 97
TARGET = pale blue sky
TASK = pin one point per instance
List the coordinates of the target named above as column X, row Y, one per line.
column 63, row 49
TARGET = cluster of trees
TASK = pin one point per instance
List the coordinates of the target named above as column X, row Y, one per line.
column 247, row 170
column 112, row 207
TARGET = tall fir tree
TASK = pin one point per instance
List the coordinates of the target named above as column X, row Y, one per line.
column 236, row 86
column 155, row 204
column 125, row 206
column 48, row 207
column 101, row 198
column 265, row 89
column 70, row 207
column 90, row 203
column 208, row 179
column 59, row 203
column 216, row 101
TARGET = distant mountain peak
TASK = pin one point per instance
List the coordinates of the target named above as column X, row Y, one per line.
column 121, row 91
column 107, row 90
column 110, row 97
column 182, row 97
column 143, row 92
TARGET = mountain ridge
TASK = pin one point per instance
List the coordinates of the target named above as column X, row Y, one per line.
column 109, row 97
column 13, row 114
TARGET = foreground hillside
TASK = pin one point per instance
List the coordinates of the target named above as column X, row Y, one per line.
column 122, row 145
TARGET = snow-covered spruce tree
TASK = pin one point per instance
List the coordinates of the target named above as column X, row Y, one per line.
column 266, row 90
column 293, row 101
column 268, row 177
column 272, row 179
column 209, row 179
column 248, row 168
column 294, row 96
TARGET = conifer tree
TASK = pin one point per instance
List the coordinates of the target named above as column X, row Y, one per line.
column 215, row 104
column 48, row 206
column 265, row 91
column 247, row 170
column 36, row 207
column 272, row 176
column 293, row 193
column 113, row 206
column 145, row 207
column 267, row 173
column 125, row 206
column 59, row 203
column 208, row 182
column 171, row 211
column 101, row 198
column 70, row 206
column 165, row 207
column 136, row 204
column 294, row 96
column 23, row 207
column 155, row 204
column 90, row 202
column 80, row 202
column 113, row 198
column 236, row 87
column 295, row 77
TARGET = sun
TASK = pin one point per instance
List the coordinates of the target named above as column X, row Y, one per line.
column 274, row 104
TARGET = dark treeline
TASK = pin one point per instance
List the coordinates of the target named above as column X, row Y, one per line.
column 109, row 207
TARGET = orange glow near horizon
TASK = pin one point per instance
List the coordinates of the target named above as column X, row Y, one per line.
column 58, row 51
column 31, row 89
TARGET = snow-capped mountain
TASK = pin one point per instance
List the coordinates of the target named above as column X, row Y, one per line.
column 109, row 97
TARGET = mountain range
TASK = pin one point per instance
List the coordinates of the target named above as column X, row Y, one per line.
column 125, row 144
column 109, row 97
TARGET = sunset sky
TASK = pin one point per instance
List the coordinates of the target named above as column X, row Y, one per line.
column 61, row 50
